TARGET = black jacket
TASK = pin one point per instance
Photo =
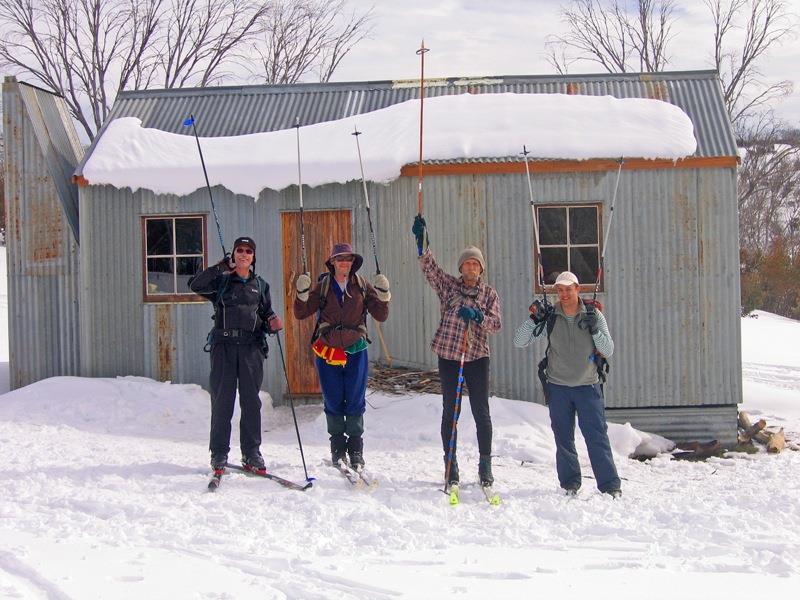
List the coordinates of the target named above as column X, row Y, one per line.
column 240, row 304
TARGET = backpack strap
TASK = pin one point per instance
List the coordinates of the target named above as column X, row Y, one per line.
column 601, row 363
column 325, row 280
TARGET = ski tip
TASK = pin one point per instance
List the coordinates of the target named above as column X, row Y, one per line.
column 453, row 494
column 495, row 500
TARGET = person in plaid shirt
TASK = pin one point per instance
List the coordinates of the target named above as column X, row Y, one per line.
column 466, row 301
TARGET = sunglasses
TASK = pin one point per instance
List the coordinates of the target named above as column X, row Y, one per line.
column 244, row 250
column 349, row 258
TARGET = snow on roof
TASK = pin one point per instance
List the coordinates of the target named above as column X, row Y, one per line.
column 464, row 126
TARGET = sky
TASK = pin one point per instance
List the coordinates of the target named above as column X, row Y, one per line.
column 475, row 37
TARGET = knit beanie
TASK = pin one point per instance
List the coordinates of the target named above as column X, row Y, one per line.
column 474, row 253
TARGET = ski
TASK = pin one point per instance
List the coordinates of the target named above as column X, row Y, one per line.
column 452, row 492
column 300, row 487
column 491, row 497
column 356, row 477
column 216, row 479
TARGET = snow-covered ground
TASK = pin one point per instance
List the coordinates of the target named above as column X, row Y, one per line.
column 103, row 496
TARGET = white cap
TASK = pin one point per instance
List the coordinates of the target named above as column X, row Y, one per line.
column 566, row 278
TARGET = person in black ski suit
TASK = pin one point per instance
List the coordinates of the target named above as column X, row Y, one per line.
column 243, row 315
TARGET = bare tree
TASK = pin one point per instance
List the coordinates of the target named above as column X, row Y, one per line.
column 86, row 50
column 200, row 36
column 763, row 24
column 304, row 36
column 607, row 33
column 769, row 186
column 90, row 50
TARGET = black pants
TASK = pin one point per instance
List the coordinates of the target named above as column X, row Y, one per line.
column 235, row 365
column 476, row 374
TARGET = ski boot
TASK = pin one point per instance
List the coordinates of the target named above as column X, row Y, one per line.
column 485, row 470
column 254, row 462
column 355, row 450
column 218, row 462
column 338, row 448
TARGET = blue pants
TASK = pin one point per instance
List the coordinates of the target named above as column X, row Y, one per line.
column 587, row 402
column 344, row 388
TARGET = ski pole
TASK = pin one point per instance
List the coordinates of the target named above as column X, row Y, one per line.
column 601, row 263
column 457, row 407
column 291, row 403
column 187, row 123
column 421, row 52
column 538, row 249
column 300, row 191
column 357, row 133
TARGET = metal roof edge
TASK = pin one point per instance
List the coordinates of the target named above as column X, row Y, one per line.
column 338, row 86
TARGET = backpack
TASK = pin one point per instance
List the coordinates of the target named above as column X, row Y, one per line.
column 325, row 280
column 218, row 301
column 601, row 363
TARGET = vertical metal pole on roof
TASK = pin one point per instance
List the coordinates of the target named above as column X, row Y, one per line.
column 601, row 263
column 191, row 121
column 421, row 52
column 300, row 191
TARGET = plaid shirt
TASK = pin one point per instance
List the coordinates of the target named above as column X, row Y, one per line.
column 453, row 294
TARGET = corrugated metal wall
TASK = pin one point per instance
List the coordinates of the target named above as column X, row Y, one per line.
column 671, row 287
column 40, row 145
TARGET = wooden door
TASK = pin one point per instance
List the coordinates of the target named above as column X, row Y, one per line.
column 323, row 229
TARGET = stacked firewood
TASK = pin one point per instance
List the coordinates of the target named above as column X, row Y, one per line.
column 772, row 438
column 400, row 380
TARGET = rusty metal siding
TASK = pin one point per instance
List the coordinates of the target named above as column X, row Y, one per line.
column 226, row 111
column 42, row 255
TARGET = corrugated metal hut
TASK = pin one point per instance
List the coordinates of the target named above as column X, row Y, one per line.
column 671, row 285
column 42, row 234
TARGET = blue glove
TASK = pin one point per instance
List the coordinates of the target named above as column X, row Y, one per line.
column 420, row 231
column 471, row 314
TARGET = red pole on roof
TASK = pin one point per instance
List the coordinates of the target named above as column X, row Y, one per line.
column 421, row 52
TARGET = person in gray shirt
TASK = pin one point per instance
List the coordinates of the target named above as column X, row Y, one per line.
column 578, row 338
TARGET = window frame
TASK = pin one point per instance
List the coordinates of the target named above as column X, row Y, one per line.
column 184, row 297
column 584, row 287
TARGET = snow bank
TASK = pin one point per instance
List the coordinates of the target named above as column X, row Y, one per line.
column 463, row 126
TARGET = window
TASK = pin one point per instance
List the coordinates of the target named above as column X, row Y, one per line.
column 569, row 240
column 174, row 250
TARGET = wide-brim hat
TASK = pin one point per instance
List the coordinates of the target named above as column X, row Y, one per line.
column 343, row 249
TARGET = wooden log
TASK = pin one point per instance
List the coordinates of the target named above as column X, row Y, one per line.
column 744, row 421
column 762, row 437
column 776, row 442
column 748, row 434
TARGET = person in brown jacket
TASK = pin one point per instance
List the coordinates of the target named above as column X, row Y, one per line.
column 342, row 300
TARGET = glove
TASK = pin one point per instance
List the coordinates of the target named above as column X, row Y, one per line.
column 420, row 231
column 471, row 314
column 227, row 264
column 303, row 285
column 381, row 285
column 589, row 322
column 540, row 311
column 274, row 324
